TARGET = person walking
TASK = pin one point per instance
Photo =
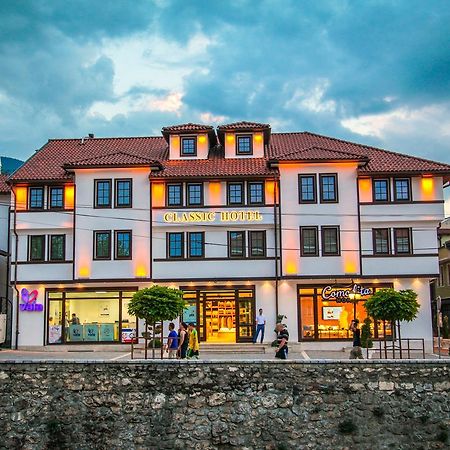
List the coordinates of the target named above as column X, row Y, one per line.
column 172, row 342
column 260, row 326
column 183, row 340
column 194, row 345
column 282, row 340
column 356, row 352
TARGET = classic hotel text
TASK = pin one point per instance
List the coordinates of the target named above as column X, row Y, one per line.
column 220, row 216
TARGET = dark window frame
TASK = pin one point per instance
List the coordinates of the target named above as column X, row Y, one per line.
column 243, row 245
column 185, row 138
column 189, row 234
column 336, row 189
column 95, row 256
column 168, row 234
column 338, row 239
column 180, row 185
column 408, row 181
column 50, row 196
column 241, row 183
column 42, row 237
column 374, row 241
column 116, row 192
column 49, row 250
column 250, row 243
column 202, row 194
column 37, row 188
column 388, row 190
column 263, row 196
column 116, row 245
column 410, row 242
column 307, row 175
column 316, row 236
column 240, row 136
column 96, row 182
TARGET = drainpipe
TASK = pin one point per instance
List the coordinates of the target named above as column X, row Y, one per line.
column 8, row 281
column 275, row 215
column 16, row 248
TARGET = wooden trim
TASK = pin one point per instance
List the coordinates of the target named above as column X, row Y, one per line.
column 241, row 183
column 323, row 228
column 167, row 196
column 408, row 180
column 374, row 245
column 267, row 205
column 106, row 258
column 411, row 251
column 403, row 255
column 116, row 192
column 316, row 236
column 335, row 175
column 41, row 236
column 49, row 250
column 359, row 228
column 236, row 143
column 38, row 208
column 299, row 183
column 388, row 190
column 244, row 253
column 263, row 202
column 122, row 258
column 202, row 197
column 186, row 155
column 412, row 202
column 54, row 210
column 96, row 181
column 250, row 244
column 217, row 258
column 27, row 263
column 189, row 256
column 176, row 258
column 49, row 198
column 74, row 232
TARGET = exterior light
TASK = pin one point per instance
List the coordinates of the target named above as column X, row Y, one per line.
column 230, row 137
column 258, row 137
column 202, row 139
column 69, row 196
column 21, row 197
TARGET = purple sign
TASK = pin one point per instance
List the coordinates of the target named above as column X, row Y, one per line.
column 29, row 300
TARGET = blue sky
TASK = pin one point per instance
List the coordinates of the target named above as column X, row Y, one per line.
column 376, row 72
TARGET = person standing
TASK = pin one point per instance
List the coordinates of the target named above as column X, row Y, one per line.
column 172, row 342
column 260, row 326
column 356, row 352
column 183, row 340
column 282, row 340
column 194, row 345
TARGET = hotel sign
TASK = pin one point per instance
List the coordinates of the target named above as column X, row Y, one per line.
column 211, row 217
column 344, row 294
column 29, row 300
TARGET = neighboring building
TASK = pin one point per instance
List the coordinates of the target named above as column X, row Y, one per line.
column 240, row 218
column 443, row 281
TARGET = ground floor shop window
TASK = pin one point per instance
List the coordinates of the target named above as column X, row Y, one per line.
column 325, row 312
column 89, row 316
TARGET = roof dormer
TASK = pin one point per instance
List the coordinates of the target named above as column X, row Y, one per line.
column 244, row 139
column 189, row 140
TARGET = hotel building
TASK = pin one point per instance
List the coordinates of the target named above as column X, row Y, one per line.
column 238, row 217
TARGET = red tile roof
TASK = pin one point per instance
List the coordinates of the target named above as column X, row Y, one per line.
column 113, row 159
column 4, row 188
column 187, row 127
column 243, row 125
column 320, row 154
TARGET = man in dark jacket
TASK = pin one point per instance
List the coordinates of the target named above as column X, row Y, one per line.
column 282, row 339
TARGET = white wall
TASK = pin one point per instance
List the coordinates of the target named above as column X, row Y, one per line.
column 4, row 205
column 175, row 146
column 258, row 145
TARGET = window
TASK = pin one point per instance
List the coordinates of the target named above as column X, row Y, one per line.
column 236, row 244
column 175, row 245
column 244, row 145
column 194, row 194
column 380, row 190
column 257, row 242
column 330, row 241
column 307, row 188
column 402, row 241
column 235, row 193
column 309, row 241
column 328, row 188
column 102, row 193
column 57, row 250
column 56, row 197
column 123, row 193
column 402, row 190
column 174, row 195
column 196, row 245
column 381, row 244
column 36, row 196
column 255, row 193
column 102, row 244
column 189, row 146
column 36, row 248
column 122, row 244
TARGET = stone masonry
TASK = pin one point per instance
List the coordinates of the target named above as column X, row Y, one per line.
column 224, row 405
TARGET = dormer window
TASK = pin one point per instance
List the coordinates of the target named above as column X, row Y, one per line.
column 244, row 145
column 188, row 146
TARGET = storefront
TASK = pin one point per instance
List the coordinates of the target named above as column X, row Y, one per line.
column 222, row 315
column 89, row 316
column 325, row 311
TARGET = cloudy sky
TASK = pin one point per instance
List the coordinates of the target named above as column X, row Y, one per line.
column 376, row 72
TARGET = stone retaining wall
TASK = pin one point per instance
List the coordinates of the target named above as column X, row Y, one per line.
column 224, row 405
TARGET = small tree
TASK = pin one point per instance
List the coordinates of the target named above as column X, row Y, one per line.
column 445, row 328
column 366, row 334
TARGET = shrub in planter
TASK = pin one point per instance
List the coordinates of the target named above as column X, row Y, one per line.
column 366, row 334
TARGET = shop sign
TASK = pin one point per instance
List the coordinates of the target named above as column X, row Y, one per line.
column 29, row 300
column 219, row 216
column 342, row 294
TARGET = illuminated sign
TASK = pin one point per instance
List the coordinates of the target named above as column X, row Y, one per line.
column 220, row 216
column 345, row 294
column 29, row 300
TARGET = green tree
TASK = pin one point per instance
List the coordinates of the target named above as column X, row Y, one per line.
column 445, row 328
column 366, row 334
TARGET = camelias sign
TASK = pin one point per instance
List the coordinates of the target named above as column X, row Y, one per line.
column 29, row 300
column 342, row 294
column 219, row 216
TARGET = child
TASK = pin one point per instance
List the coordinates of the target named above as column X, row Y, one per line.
column 194, row 346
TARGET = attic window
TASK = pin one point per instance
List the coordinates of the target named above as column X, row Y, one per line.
column 188, row 146
column 244, row 145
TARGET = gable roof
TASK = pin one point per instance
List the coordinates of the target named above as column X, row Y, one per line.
column 243, row 126
column 186, row 127
column 320, row 154
column 4, row 188
column 117, row 159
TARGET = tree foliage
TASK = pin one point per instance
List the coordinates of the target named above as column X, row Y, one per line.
column 157, row 303
column 392, row 305
column 366, row 334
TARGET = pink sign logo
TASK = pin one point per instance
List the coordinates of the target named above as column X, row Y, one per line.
column 29, row 300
